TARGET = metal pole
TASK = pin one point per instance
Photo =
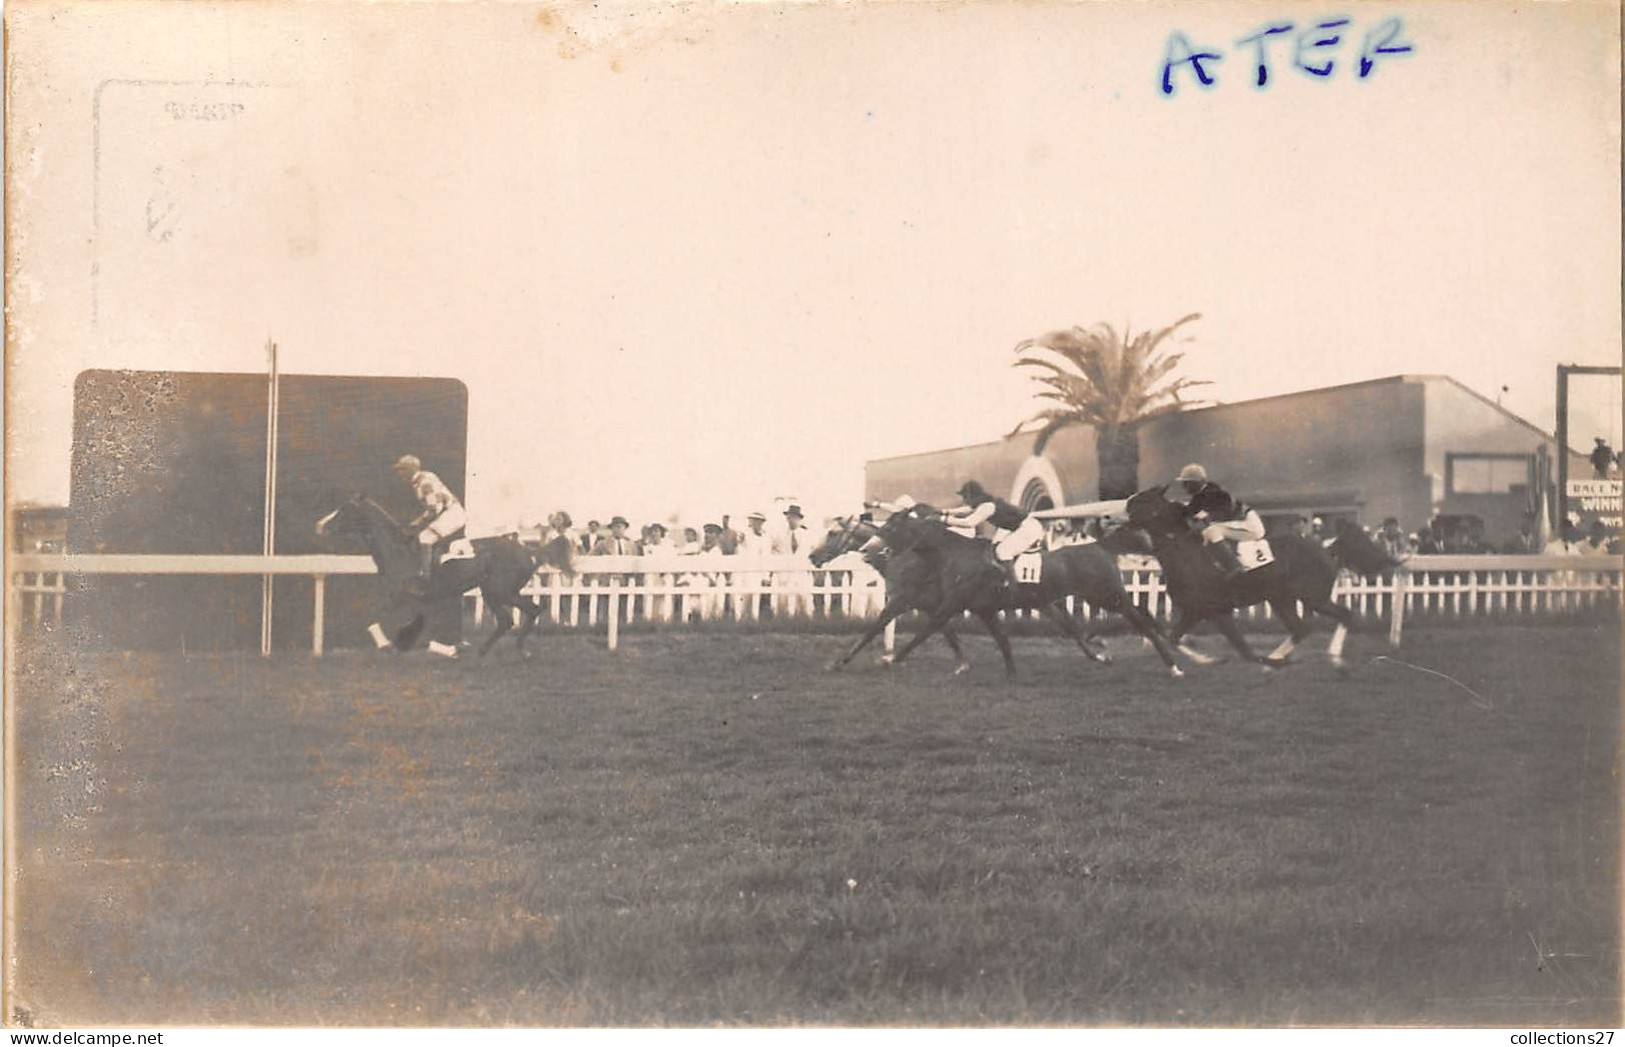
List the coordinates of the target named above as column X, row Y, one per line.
column 316, row 639
column 1562, row 448
column 268, row 546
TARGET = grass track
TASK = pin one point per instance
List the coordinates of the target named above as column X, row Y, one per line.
column 706, row 829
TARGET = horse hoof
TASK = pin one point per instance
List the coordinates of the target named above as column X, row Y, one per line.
column 1103, row 658
column 1176, row 672
column 832, row 667
column 961, row 669
column 888, row 660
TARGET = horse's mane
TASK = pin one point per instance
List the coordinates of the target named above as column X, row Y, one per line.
column 1354, row 549
column 375, row 507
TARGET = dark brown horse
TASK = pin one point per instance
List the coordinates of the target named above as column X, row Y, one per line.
column 911, row 583
column 499, row 568
column 1303, row 571
column 971, row 580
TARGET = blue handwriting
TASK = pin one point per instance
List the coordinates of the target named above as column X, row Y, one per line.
column 1312, row 51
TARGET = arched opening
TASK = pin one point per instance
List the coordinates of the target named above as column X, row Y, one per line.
column 1035, row 496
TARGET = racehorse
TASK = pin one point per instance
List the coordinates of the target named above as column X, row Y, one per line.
column 911, row 583
column 971, row 580
column 1302, row 571
column 498, row 567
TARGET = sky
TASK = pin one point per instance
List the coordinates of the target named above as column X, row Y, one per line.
column 691, row 259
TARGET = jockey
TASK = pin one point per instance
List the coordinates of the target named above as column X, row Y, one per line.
column 1223, row 519
column 442, row 517
column 1022, row 531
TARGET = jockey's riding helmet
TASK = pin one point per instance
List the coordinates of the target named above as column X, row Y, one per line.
column 972, row 489
column 408, row 463
column 1192, row 473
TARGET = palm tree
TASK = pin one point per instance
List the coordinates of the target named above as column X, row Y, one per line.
column 1110, row 382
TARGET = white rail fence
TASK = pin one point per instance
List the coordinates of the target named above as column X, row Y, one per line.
column 611, row 591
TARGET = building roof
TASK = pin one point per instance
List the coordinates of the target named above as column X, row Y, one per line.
column 1396, row 379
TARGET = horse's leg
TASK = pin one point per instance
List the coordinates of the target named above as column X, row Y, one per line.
column 894, row 609
column 1296, row 629
column 531, row 608
column 503, row 613
column 408, row 634
column 1069, row 628
column 1344, row 619
column 962, row 664
column 1147, row 627
column 931, row 625
column 1226, row 621
column 1184, row 622
column 990, row 618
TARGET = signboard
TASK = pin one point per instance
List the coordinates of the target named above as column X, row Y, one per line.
column 1595, row 500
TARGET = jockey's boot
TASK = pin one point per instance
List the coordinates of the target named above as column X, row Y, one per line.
column 1225, row 559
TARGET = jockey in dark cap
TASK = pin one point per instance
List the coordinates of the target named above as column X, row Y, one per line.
column 1223, row 519
column 1022, row 530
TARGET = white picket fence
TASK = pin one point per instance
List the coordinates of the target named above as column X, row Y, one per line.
column 608, row 592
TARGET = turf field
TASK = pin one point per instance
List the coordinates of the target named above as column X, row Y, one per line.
column 705, row 828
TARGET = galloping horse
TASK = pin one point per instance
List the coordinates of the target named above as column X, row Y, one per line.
column 971, row 580
column 1302, row 571
column 499, row 569
column 911, row 583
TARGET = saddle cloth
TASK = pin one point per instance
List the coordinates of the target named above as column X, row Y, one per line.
column 1255, row 553
column 1029, row 568
column 459, row 549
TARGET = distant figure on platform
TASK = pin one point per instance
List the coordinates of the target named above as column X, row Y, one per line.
column 1598, row 542
column 1393, row 541
column 728, row 539
column 590, row 540
column 1526, row 543
column 1569, row 542
column 616, row 543
column 1223, row 519
column 755, row 542
column 442, row 518
column 655, row 544
column 796, row 540
column 1603, row 458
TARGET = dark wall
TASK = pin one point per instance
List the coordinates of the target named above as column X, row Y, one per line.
column 174, row 462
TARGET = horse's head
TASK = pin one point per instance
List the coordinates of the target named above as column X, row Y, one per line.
column 1151, row 511
column 841, row 539
column 359, row 516
column 1355, row 550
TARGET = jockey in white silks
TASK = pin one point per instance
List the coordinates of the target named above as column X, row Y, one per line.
column 442, row 517
column 1020, row 530
column 1223, row 519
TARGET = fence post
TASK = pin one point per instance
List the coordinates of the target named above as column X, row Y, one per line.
column 316, row 616
column 1396, row 618
column 614, row 611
